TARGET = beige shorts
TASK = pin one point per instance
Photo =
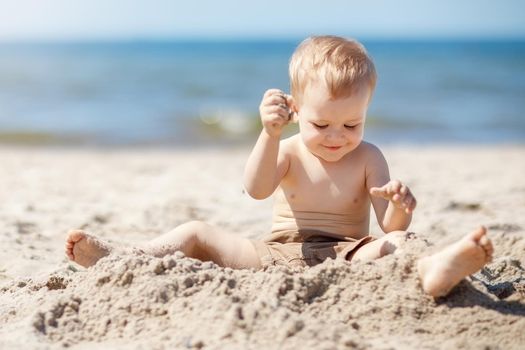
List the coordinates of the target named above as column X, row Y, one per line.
column 310, row 253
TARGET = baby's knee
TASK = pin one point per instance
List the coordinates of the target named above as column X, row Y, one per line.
column 395, row 241
column 194, row 226
column 192, row 230
column 398, row 238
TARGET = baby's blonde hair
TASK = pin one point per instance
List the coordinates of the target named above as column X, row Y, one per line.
column 342, row 63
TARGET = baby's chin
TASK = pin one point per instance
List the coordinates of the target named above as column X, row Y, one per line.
column 329, row 157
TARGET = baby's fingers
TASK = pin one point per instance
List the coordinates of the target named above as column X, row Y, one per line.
column 398, row 199
column 396, row 186
column 409, row 204
column 401, row 200
column 275, row 109
column 380, row 192
column 280, row 111
column 412, row 205
column 273, row 100
column 271, row 92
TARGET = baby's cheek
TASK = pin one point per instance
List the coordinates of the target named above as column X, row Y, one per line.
column 309, row 137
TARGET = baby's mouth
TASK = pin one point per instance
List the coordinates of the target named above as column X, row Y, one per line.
column 333, row 148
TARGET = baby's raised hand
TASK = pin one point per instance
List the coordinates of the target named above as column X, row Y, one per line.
column 275, row 111
column 398, row 193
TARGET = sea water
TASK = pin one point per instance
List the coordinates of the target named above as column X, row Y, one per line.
column 190, row 91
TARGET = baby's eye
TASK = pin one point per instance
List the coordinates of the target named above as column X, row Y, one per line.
column 350, row 126
column 320, row 126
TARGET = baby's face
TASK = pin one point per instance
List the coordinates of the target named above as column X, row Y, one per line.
column 330, row 129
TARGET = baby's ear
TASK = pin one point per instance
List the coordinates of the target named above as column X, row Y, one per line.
column 295, row 117
column 293, row 107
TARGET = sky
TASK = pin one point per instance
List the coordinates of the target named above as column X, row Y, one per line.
column 171, row 19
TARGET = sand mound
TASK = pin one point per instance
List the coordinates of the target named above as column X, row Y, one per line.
column 135, row 301
column 177, row 302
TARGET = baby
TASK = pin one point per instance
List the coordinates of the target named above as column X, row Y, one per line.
column 324, row 180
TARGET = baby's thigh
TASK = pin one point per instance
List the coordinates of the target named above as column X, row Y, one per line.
column 230, row 250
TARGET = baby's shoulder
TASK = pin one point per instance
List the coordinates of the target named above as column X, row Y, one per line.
column 290, row 145
column 370, row 150
column 367, row 151
column 371, row 155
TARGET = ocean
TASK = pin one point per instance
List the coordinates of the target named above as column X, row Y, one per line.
column 190, row 92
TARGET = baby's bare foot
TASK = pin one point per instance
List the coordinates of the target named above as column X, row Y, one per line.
column 440, row 272
column 85, row 249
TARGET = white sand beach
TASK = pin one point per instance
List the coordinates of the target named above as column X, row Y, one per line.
column 135, row 301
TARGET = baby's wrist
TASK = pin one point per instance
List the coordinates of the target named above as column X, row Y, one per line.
column 272, row 133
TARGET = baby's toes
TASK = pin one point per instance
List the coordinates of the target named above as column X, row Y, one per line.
column 489, row 250
column 74, row 236
column 487, row 246
column 485, row 242
column 70, row 255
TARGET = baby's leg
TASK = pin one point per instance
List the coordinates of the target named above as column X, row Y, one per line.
column 195, row 239
column 201, row 241
column 388, row 244
column 443, row 270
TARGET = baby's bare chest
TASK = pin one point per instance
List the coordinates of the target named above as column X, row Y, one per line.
column 335, row 188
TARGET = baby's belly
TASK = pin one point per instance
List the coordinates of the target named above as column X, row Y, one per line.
column 336, row 224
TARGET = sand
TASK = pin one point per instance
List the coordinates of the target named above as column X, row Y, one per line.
column 136, row 301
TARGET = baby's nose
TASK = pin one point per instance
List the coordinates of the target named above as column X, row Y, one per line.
column 335, row 135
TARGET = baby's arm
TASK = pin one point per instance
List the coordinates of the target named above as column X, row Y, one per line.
column 267, row 165
column 393, row 201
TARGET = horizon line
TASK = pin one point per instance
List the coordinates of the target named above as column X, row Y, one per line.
column 254, row 38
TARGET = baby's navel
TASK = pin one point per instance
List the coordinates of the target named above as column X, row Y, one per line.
column 355, row 200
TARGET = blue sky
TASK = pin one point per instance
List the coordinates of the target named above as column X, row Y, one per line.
column 134, row 19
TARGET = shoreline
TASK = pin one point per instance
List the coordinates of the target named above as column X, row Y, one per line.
column 44, row 140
